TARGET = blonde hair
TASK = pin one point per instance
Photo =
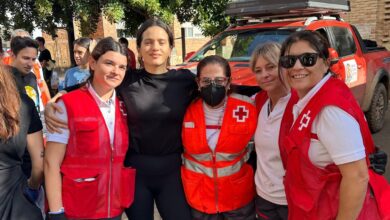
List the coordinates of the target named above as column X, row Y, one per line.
column 9, row 105
column 269, row 50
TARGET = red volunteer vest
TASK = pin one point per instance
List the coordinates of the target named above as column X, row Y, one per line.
column 94, row 183
column 219, row 181
column 312, row 192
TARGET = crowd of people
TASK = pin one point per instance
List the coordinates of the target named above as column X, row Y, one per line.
column 121, row 139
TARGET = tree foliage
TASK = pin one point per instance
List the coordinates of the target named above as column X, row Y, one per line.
column 50, row 14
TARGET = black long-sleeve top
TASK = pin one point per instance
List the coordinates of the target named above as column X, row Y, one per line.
column 156, row 105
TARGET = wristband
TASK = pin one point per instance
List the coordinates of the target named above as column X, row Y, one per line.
column 60, row 211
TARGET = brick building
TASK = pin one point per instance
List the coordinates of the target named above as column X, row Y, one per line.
column 372, row 18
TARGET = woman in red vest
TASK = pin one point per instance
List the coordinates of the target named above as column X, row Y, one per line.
column 84, row 173
column 217, row 127
column 325, row 150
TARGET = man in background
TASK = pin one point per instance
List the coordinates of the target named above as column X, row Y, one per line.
column 131, row 63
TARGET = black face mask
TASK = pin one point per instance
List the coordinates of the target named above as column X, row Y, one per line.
column 213, row 94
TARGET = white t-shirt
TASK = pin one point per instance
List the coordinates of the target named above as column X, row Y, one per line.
column 270, row 171
column 107, row 108
column 339, row 138
column 214, row 118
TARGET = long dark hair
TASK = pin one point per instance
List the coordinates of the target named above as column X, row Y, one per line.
column 151, row 22
column 103, row 46
column 316, row 41
column 9, row 105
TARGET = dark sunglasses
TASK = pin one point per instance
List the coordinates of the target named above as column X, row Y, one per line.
column 306, row 59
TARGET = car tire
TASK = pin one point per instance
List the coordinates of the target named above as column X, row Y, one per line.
column 376, row 114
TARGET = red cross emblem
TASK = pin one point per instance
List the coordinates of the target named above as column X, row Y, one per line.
column 304, row 121
column 240, row 113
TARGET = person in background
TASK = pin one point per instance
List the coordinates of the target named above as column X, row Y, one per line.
column 80, row 73
column 20, row 126
column 131, row 62
column 84, row 173
column 43, row 90
column 46, row 62
column 271, row 102
column 217, row 128
column 24, row 54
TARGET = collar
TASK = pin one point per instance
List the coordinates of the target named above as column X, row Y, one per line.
column 303, row 101
column 98, row 99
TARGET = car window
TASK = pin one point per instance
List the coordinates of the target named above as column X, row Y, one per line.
column 344, row 43
column 239, row 45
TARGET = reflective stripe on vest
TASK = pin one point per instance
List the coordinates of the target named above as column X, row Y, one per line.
column 221, row 172
column 221, row 156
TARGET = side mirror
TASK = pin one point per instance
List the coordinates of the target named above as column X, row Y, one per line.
column 188, row 55
column 333, row 56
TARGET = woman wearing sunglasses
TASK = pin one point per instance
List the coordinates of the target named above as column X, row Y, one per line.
column 217, row 127
column 325, row 149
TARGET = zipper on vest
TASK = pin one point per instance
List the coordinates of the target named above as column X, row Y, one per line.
column 215, row 181
column 109, row 181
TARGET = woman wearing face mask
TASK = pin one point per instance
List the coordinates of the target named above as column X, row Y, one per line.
column 271, row 202
column 216, row 130
column 81, row 53
column 84, row 173
column 326, row 169
column 155, row 99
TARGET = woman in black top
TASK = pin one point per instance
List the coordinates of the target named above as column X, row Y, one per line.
column 20, row 126
column 156, row 99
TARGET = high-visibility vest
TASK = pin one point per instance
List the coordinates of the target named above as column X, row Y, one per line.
column 219, row 180
column 95, row 184
column 312, row 192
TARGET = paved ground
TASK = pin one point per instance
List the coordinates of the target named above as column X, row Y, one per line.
column 383, row 139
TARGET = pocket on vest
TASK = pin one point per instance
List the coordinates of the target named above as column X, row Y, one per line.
column 242, row 187
column 87, row 136
column 80, row 191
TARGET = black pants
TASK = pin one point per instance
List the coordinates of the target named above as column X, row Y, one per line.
column 158, row 180
column 244, row 213
column 267, row 210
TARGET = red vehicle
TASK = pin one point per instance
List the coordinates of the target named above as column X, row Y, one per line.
column 363, row 66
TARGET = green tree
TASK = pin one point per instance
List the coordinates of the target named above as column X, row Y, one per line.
column 209, row 15
column 51, row 14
